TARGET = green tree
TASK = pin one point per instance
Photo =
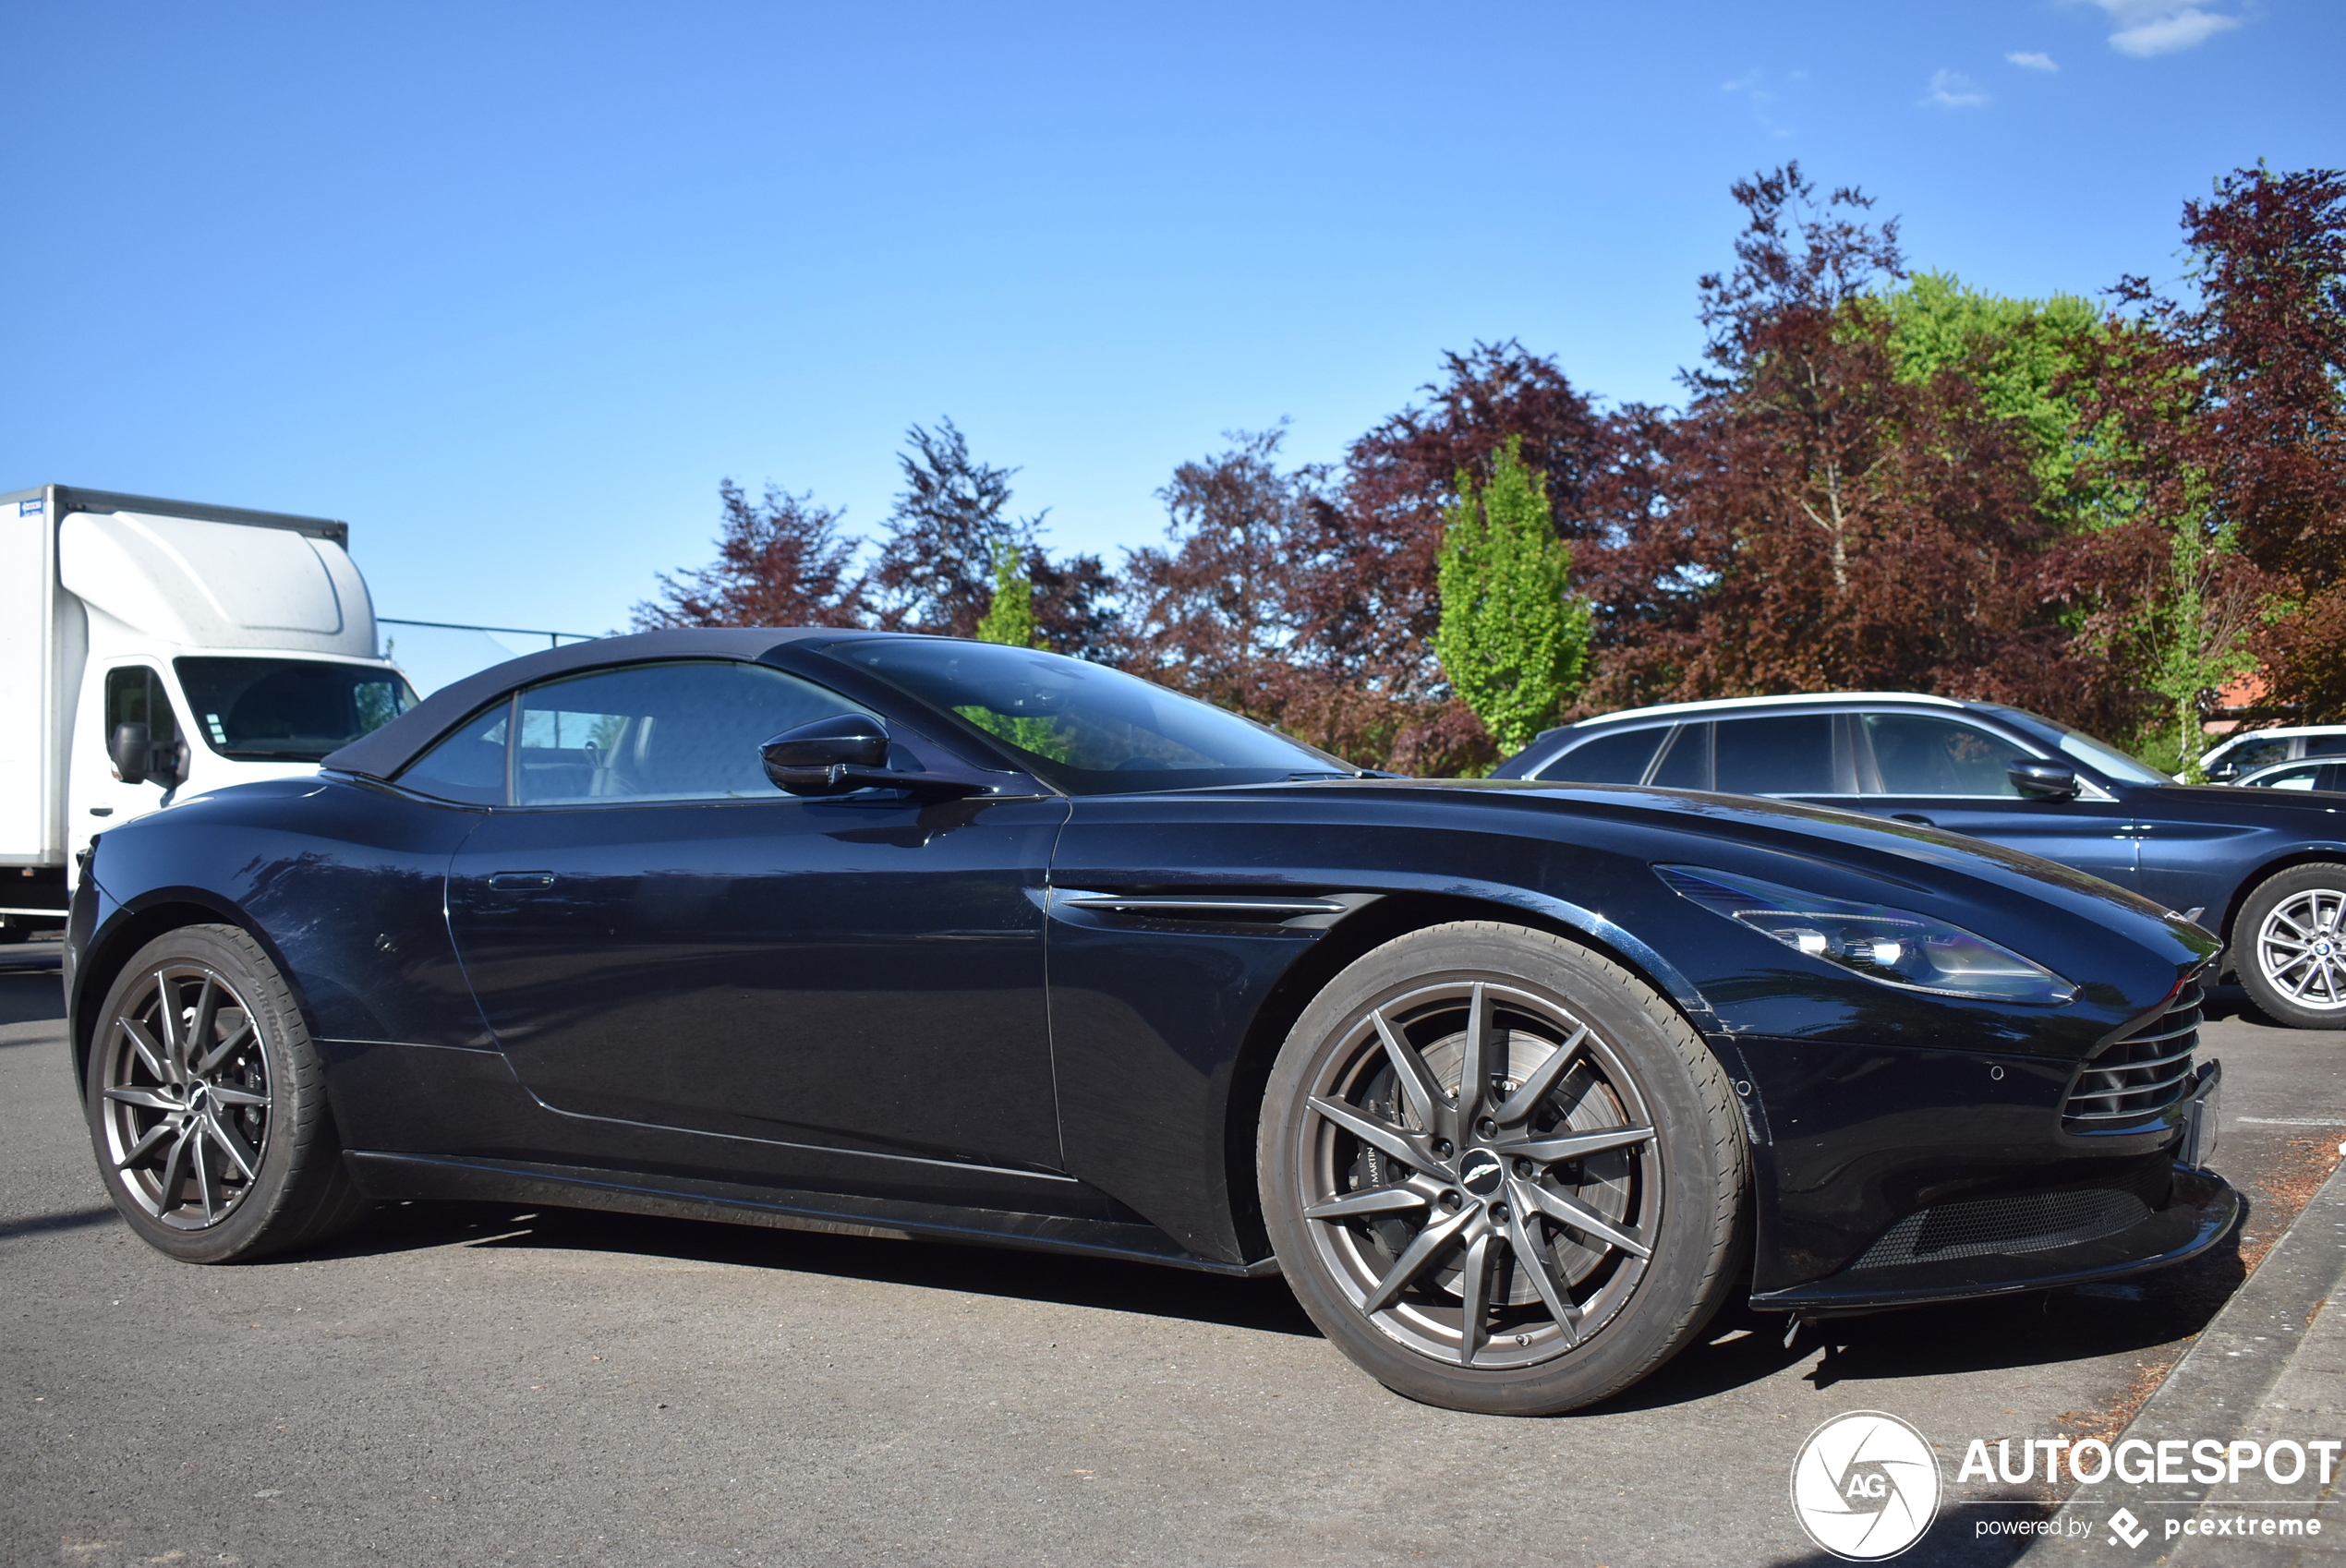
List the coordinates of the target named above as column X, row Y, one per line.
column 2019, row 356
column 1011, row 617
column 1511, row 638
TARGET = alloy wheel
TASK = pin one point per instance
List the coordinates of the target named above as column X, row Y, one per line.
column 186, row 1096
column 1483, row 1177
column 2301, row 946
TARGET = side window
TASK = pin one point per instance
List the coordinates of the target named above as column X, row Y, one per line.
column 1918, row 754
column 2325, row 746
column 468, row 766
column 684, row 732
column 134, row 695
column 2256, row 754
column 2301, row 777
column 1776, row 754
column 1687, row 765
column 1619, row 758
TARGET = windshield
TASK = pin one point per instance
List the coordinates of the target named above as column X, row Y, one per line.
column 288, row 709
column 2104, row 759
column 1082, row 728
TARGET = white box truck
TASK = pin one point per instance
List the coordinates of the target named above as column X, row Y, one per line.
column 153, row 649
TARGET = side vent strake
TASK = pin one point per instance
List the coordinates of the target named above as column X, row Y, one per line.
column 1306, row 911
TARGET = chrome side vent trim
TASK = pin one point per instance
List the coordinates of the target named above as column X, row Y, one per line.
column 1309, row 912
column 2131, row 1082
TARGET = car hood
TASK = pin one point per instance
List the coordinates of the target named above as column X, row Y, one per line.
column 1904, row 854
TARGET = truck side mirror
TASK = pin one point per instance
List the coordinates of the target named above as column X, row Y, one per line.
column 2043, row 780
column 131, row 750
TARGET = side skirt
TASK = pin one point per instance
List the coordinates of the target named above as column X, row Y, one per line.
column 386, row 1177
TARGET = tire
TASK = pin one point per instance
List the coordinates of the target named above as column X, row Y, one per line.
column 208, row 1116
column 1389, row 1205
column 2290, row 945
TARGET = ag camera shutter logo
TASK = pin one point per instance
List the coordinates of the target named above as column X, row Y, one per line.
column 1865, row 1486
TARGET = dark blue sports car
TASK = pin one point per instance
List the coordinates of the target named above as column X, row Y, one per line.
column 2265, row 871
column 1515, row 1082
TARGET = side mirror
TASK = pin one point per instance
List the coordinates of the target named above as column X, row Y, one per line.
column 2043, row 780
column 845, row 753
column 132, row 751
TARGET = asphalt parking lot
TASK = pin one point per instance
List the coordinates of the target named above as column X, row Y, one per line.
column 459, row 1384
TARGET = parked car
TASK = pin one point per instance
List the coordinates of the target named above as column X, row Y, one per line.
column 908, row 936
column 2312, row 773
column 2265, row 871
column 2245, row 752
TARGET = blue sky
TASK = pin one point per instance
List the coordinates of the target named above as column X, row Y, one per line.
column 509, row 286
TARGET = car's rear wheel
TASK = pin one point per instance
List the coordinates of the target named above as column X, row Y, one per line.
column 2291, row 942
column 1500, row 1172
column 207, row 1103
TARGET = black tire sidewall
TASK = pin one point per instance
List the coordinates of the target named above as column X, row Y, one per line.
column 296, row 1086
column 1701, row 1150
column 2249, row 966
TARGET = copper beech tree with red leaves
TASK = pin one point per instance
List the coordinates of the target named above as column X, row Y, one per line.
column 1819, row 523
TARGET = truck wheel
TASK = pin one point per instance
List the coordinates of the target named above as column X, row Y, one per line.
column 2290, row 942
column 1500, row 1172
column 207, row 1103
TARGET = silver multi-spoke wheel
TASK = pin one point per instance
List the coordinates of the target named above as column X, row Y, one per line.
column 1482, row 1177
column 187, row 1096
column 2301, row 947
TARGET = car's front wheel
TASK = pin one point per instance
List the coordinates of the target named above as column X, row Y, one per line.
column 2290, row 942
column 1500, row 1172
column 207, row 1103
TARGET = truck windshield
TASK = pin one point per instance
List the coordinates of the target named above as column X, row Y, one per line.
column 288, row 709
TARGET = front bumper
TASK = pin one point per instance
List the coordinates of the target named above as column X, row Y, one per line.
column 1890, row 1177
column 2201, row 1211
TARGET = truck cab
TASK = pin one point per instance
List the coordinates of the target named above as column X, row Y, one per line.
column 152, row 650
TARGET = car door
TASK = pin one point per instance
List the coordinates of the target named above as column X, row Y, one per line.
column 1940, row 771
column 656, row 935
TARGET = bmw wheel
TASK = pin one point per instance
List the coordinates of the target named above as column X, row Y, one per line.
column 2291, row 945
column 207, row 1103
column 1500, row 1172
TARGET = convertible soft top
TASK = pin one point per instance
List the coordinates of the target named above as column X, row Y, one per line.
column 382, row 752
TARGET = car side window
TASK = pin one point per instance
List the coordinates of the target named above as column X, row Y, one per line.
column 467, row 766
column 1687, row 765
column 1917, row 754
column 2325, row 746
column 1619, row 758
column 1776, row 754
column 684, row 732
column 2303, row 777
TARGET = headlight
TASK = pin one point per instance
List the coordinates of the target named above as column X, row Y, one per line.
column 1898, row 948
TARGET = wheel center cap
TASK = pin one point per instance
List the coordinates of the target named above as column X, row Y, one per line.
column 1479, row 1173
column 198, row 1092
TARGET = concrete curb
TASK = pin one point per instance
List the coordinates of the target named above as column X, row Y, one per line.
column 2223, row 1384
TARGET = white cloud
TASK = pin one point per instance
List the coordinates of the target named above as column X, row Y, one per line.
column 1755, row 88
column 2031, row 60
column 1953, row 89
column 2162, row 27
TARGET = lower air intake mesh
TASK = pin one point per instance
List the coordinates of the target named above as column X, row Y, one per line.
column 2028, row 1222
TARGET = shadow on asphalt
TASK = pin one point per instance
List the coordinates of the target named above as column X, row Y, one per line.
column 1263, row 1305
column 1741, row 1347
column 31, row 982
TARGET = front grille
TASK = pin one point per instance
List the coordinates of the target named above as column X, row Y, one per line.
column 2028, row 1222
column 2131, row 1081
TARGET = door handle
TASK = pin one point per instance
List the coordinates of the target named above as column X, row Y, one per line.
column 519, row 881
column 1916, row 818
